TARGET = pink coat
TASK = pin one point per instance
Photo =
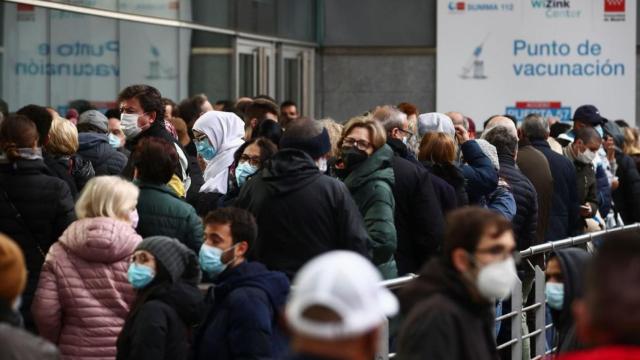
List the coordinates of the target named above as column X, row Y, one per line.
column 83, row 296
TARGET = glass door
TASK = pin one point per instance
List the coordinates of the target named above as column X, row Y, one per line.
column 254, row 68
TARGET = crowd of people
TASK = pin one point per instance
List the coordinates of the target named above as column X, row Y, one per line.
column 235, row 230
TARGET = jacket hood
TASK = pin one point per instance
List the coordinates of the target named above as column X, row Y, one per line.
column 573, row 263
column 184, row 298
column 101, row 239
column 90, row 140
column 252, row 274
column 377, row 167
column 448, row 172
column 439, row 278
column 289, row 170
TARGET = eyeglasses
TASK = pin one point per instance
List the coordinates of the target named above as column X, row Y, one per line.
column 252, row 160
column 499, row 251
column 409, row 133
column 359, row 144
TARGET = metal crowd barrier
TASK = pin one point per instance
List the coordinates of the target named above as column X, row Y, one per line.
column 536, row 336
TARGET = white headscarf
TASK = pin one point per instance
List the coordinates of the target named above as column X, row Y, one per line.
column 435, row 122
column 225, row 131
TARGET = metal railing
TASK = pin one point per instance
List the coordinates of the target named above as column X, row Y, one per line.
column 537, row 335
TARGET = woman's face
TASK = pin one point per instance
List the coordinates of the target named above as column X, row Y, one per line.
column 360, row 138
column 251, row 155
column 143, row 257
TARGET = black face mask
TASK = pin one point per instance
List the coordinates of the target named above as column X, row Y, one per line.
column 353, row 157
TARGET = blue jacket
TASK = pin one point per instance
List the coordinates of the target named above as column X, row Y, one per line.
column 482, row 177
column 105, row 159
column 242, row 319
column 565, row 207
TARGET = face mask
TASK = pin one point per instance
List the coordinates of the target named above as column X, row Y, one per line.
column 353, row 157
column 114, row 141
column 205, row 149
column 586, row 157
column 211, row 259
column 17, row 304
column 496, row 280
column 243, row 171
column 600, row 131
column 134, row 218
column 322, row 165
column 555, row 295
column 129, row 124
column 405, row 140
column 140, row 275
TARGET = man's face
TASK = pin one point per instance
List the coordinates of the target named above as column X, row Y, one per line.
column 219, row 235
column 168, row 110
column 457, row 118
column 132, row 106
column 491, row 250
column 116, row 129
column 291, row 112
column 401, row 132
column 553, row 273
column 580, row 146
column 206, row 106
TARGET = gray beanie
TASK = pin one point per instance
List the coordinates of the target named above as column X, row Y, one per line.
column 179, row 261
column 95, row 118
column 489, row 151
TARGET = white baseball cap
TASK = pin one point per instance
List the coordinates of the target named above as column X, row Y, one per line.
column 346, row 283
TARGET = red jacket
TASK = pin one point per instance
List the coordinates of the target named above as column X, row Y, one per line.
column 607, row 352
column 83, row 296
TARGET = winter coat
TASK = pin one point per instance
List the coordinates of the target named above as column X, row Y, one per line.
column 445, row 193
column 242, row 322
column 83, row 290
column 564, row 214
column 454, row 177
column 74, row 170
column 105, row 159
column 585, row 181
column 501, row 200
column 418, row 216
column 443, row 320
column 18, row 344
column 371, row 185
column 162, row 212
column 627, row 196
column 480, row 174
column 604, row 191
column 30, row 186
column 573, row 263
column 525, row 222
column 160, row 327
column 301, row 213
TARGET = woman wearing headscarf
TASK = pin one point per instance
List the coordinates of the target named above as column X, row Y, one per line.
column 217, row 136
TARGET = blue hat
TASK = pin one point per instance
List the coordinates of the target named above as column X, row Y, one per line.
column 588, row 114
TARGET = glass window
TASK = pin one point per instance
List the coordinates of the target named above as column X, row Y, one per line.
column 247, row 75
column 210, row 65
column 292, row 80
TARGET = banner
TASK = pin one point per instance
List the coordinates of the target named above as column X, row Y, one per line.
column 53, row 57
column 536, row 56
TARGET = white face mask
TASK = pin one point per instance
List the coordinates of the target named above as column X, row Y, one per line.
column 129, row 124
column 322, row 165
column 17, row 304
column 586, row 157
column 496, row 280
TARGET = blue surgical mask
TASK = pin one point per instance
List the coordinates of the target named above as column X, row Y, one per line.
column 211, row 259
column 205, row 149
column 114, row 141
column 243, row 171
column 140, row 275
column 600, row 131
column 555, row 295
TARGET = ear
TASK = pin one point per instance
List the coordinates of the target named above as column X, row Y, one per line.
column 253, row 123
column 45, row 141
column 460, row 260
column 242, row 248
column 152, row 117
column 135, row 172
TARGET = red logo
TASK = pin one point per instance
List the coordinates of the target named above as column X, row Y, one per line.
column 614, row 5
column 460, row 5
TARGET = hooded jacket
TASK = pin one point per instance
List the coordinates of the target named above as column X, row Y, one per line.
column 83, row 290
column 418, row 216
column 160, row 327
column 443, row 320
column 301, row 213
column 586, row 180
column 453, row 176
column 105, row 159
column 162, row 212
column 480, row 174
column 242, row 321
column 573, row 263
column 564, row 214
column 627, row 196
column 29, row 186
column 19, row 344
column 370, row 184
column 73, row 170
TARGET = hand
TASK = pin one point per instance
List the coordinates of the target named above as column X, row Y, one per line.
column 462, row 135
column 614, row 184
column 585, row 211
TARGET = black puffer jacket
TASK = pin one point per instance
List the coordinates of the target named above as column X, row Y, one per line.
column 418, row 217
column 443, row 319
column 525, row 222
column 301, row 213
column 46, row 208
column 161, row 327
column 453, row 176
column 74, row 170
column 18, row 344
column 105, row 159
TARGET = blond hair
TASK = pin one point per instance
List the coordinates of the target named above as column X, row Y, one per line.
column 63, row 137
column 631, row 141
column 107, row 196
column 376, row 132
column 335, row 133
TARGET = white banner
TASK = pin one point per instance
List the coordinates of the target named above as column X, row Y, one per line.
column 544, row 56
